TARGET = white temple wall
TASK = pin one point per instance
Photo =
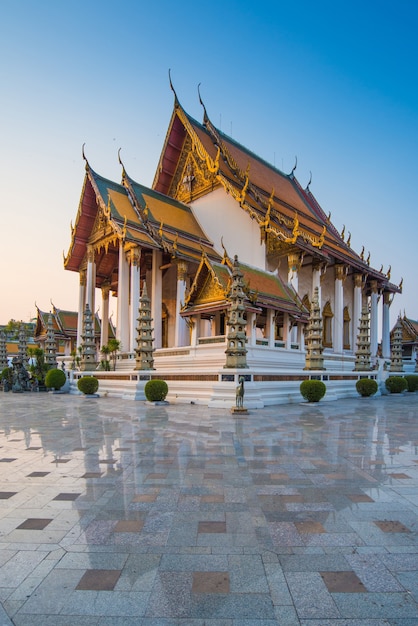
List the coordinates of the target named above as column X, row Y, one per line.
column 221, row 217
column 305, row 282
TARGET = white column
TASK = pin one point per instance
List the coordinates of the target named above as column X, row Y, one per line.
column 134, row 259
column 301, row 337
column 287, row 335
column 180, row 337
column 91, row 279
column 338, row 319
column 122, row 328
column 385, row 326
column 294, row 262
column 195, row 322
column 156, row 297
column 250, row 329
column 104, row 335
column 357, row 307
column 270, row 327
column 81, row 306
column 374, row 296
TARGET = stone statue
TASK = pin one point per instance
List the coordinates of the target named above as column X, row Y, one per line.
column 239, row 393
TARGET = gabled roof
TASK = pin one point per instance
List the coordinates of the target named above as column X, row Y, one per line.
column 285, row 211
column 136, row 214
column 211, row 286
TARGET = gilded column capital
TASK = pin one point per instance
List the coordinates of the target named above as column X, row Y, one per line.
column 134, row 256
column 339, row 272
column 82, row 275
column 105, row 291
column 358, row 280
column 90, row 253
column 317, row 265
column 182, row 270
column 294, row 261
column 386, row 298
column 373, row 286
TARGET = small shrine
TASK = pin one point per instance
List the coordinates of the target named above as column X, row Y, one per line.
column 236, row 337
column 314, row 359
column 50, row 345
column 88, row 347
column 144, row 351
column 396, row 364
column 363, row 354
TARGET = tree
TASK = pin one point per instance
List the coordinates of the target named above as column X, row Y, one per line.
column 105, row 350
column 114, row 347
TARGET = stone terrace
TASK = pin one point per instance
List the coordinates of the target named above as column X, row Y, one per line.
column 114, row 512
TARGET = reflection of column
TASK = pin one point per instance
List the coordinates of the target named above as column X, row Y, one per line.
column 122, row 330
column 181, row 326
column 81, row 307
column 373, row 320
column 338, row 319
column 134, row 258
column 156, row 297
column 385, row 326
column 104, row 336
column 357, row 306
column 91, row 278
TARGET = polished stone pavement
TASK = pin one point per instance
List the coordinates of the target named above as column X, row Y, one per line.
column 114, row 512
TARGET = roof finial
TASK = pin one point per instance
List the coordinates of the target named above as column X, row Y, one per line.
column 176, row 100
column 84, row 155
column 292, row 173
column 123, row 167
column 205, row 115
column 310, row 180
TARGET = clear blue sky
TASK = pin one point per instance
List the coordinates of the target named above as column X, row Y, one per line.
column 334, row 83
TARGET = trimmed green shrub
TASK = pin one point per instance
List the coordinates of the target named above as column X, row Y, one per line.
column 412, row 382
column 88, row 384
column 55, row 379
column 313, row 390
column 366, row 387
column 156, row 390
column 396, row 384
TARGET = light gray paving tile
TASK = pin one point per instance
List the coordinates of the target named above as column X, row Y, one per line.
column 373, row 574
column 376, row 605
column 310, row 596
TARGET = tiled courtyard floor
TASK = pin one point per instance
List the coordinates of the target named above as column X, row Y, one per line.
column 115, row 513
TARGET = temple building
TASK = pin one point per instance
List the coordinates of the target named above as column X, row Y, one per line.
column 65, row 326
column 215, row 204
column 409, row 341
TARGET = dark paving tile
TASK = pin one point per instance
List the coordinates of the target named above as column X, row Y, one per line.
column 34, row 524
column 5, row 495
column 92, row 475
column 309, row 527
column 211, row 527
column 67, row 497
column 359, row 497
column 128, row 526
column 38, row 474
column 391, row 526
column 343, row 582
column 210, row 582
column 99, row 580
column 7, row 460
